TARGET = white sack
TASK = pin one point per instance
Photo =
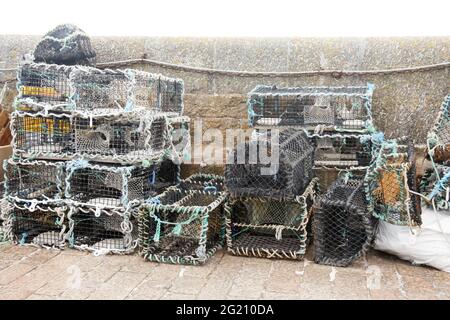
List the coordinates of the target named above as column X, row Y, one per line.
column 429, row 246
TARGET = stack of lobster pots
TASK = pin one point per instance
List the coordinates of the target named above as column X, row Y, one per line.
column 312, row 132
column 89, row 146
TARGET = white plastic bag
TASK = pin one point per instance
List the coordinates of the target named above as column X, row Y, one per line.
column 430, row 245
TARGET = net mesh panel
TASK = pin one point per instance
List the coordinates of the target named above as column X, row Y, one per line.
column 172, row 93
column 104, row 232
column 42, row 135
column 269, row 228
column 42, row 83
column 342, row 107
column 203, row 182
column 37, row 180
column 390, row 194
column 291, row 175
column 103, row 187
column 343, row 227
column 97, row 89
column 39, row 227
column 191, row 229
column 120, row 136
column 340, row 151
column 432, row 181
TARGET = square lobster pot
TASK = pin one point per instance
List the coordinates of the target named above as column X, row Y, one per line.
column 343, row 226
column 42, row 136
column 41, row 225
column 203, row 182
column 35, row 180
column 388, row 186
column 308, row 107
column 102, row 231
column 247, row 173
column 110, row 186
column 341, row 151
column 267, row 227
column 435, row 185
column 439, row 138
column 125, row 137
column 44, row 85
column 182, row 227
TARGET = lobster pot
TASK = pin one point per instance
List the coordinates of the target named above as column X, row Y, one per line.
column 308, row 107
column 41, row 226
column 203, row 182
column 109, row 186
column 435, row 185
column 343, row 227
column 181, row 227
column 122, row 137
column 439, row 137
column 341, row 151
column 104, row 231
column 267, row 227
column 167, row 175
column 42, row 136
column 36, row 180
column 285, row 173
column 42, row 85
column 388, row 191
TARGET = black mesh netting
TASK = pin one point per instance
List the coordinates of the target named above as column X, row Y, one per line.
column 65, row 44
column 341, row 151
column 249, row 173
column 307, row 107
column 182, row 227
column 109, row 232
column 42, row 227
column 388, row 190
column 269, row 228
column 343, row 226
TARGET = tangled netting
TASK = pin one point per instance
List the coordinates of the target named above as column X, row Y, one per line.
column 346, row 108
column 184, row 224
column 85, row 89
column 343, row 226
column 34, row 181
column 203, row 182
column 341, row 150
column 126, row 137
column 249, row 173
column 112, row 186
column 268, row 227
column 435, row 185
column 102, row 231
column 66, row 44
column 44, row 226
column 438, row 140
column 391, row 185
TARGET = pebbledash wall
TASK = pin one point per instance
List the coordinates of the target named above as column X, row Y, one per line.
column 403, row 103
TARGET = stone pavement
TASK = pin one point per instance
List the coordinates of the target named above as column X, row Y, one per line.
column 32, row 273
